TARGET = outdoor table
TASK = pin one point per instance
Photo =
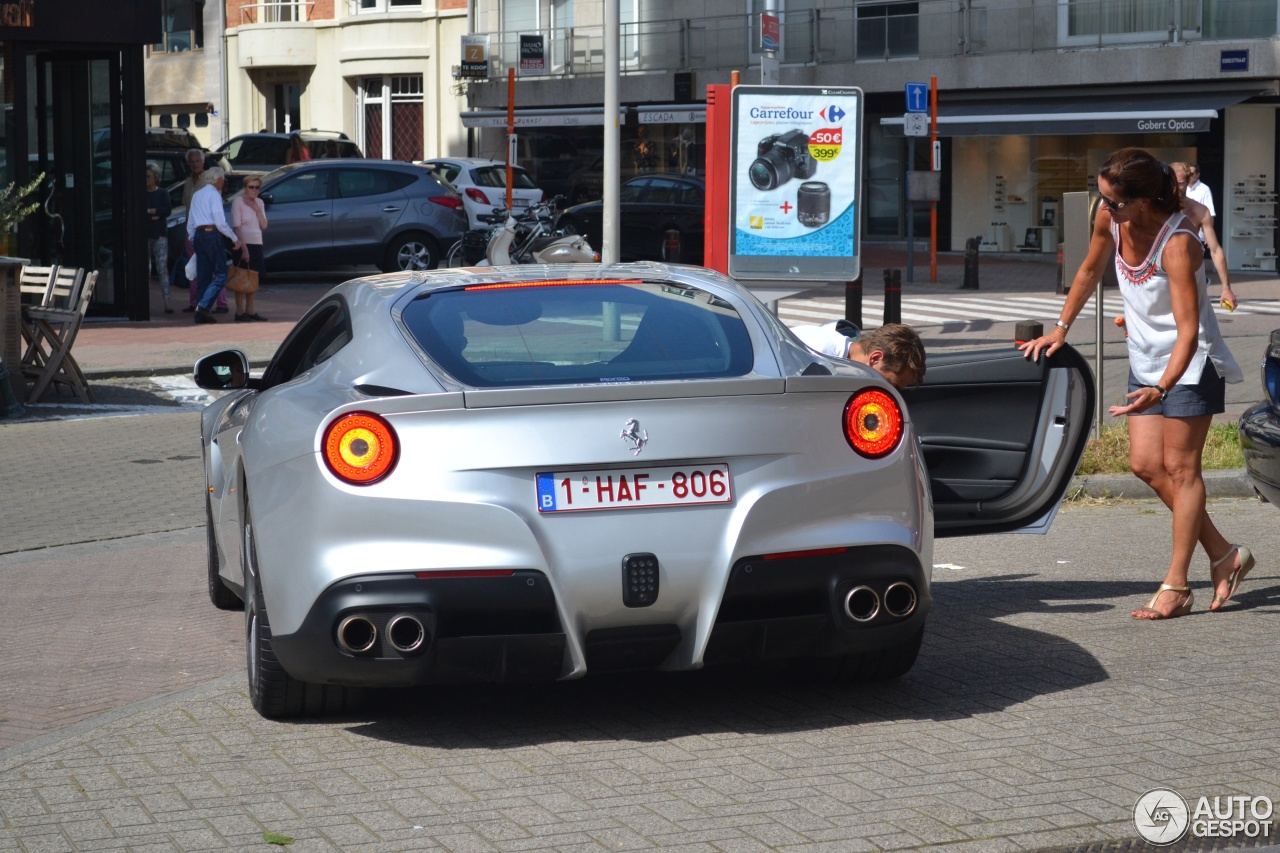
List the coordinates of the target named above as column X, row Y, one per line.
column 11, row 323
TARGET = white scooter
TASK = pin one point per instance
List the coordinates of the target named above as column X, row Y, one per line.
column 531, row 239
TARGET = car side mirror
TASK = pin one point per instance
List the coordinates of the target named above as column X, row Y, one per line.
column 266, row 198
column 223, row 371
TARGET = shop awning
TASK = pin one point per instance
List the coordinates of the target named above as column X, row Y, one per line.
column 1164, row 112
column 552, row 117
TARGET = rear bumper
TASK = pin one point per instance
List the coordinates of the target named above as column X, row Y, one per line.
column 493, row 629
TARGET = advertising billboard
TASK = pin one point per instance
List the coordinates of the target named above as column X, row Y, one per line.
column 795, row 174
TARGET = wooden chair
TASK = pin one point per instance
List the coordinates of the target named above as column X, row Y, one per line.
column 57, row 330
column 60, row 291
column 34, row 282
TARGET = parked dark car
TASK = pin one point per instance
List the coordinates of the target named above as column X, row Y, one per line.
column 1260, row 429
column 661, row 219
column 322, row 213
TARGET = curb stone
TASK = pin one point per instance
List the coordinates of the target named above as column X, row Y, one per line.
column 1227, row 483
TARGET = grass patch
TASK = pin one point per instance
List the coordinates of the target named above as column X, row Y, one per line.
column 1109, row 452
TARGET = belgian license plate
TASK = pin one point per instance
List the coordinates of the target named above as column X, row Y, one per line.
column 519, row 202
column 634, row 488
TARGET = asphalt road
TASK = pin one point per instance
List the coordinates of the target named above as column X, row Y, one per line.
column 1037, row 714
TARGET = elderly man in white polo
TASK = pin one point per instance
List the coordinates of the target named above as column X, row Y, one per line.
column 206, row 226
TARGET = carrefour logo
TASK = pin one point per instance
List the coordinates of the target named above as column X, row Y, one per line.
column 832, row 113
column 781, row 113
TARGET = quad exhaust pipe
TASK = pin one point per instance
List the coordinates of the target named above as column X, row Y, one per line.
column 863, row 604
column 405, row 633
column 357, row 635
column 900, row 599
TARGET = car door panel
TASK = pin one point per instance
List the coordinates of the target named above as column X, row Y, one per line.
column 1001, row 436
column 300, row 217
column 367, row 205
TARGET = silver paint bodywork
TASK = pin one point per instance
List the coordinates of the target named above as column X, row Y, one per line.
column 462, row 495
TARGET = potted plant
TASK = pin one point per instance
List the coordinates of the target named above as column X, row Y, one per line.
column 14, row 207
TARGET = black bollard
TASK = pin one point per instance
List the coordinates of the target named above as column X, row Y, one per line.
column 853, row 301
column 1027, row 330
column 892, row 296
column 971, row 263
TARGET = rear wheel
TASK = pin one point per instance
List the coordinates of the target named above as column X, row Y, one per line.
column 411, row 252
column 272, row 691
column 456, row 257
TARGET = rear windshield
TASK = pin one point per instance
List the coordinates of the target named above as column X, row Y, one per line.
column 574, row 333
column 496, row 176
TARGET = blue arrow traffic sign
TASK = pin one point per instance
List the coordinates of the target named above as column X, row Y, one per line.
column 917, row 97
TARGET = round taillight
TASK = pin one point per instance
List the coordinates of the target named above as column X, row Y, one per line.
column 360, row 448
column 872, row 423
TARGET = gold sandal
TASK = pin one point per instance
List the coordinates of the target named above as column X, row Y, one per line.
column 1181, row 610
column 1233, row 579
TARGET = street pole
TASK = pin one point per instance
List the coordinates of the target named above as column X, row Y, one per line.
column 513, row 149
column 935, row 164
column 612, row 138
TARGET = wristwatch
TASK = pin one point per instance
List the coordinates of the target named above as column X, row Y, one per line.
column 1061, row 325
column 1163, row 392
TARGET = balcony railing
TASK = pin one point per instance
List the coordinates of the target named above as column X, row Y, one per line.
column 871, row 33
column 276, row 11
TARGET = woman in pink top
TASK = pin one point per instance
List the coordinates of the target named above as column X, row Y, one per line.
column 1178, row 362
column 249, row 219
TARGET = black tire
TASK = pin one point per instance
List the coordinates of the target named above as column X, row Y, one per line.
column 219, row 593
column 273, row 692
column 866, row 667
column 457, row 257
column 412, row 251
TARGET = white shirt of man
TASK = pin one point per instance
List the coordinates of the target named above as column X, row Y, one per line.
column 1201, row 193
column 830, row 339
column 206, row 209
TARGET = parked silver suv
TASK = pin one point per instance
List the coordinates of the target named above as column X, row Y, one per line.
column 326, row 213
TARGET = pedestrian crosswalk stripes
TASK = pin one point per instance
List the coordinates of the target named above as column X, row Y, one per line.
column 937, row 310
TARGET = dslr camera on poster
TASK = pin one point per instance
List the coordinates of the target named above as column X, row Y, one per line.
column 781, row 157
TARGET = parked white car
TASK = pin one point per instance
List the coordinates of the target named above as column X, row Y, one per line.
column 483, row 185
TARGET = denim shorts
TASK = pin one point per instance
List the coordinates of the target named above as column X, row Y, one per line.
column 1206, row 397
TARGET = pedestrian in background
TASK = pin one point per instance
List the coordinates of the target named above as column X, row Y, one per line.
column 158, row 210
column 197, row 162
column 249, row 220
column 1198, row 190
column 298, row 152
column 1178, row 361
column 1200, row 215
column 206, row 226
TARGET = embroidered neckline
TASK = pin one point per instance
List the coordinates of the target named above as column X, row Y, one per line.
column 1143, row 271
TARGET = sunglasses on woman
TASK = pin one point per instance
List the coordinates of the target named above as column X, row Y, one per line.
column 1113, row 206
column 253, row 186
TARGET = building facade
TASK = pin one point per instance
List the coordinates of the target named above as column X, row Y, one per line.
column 377, row 70
column 1033, row 95
column 72, row 74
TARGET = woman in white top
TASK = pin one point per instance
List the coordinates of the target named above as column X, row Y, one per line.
column 1178, row 361
column 249, row 219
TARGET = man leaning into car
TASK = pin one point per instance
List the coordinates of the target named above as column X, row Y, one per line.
column 894, row 349
column 206, row 226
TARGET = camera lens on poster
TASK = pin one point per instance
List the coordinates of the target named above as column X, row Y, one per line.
column 813, row 204
column 781, row 157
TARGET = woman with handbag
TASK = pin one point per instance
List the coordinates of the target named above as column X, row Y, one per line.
column 249, row 219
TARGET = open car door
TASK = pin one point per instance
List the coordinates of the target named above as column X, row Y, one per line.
column 1001, row 436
